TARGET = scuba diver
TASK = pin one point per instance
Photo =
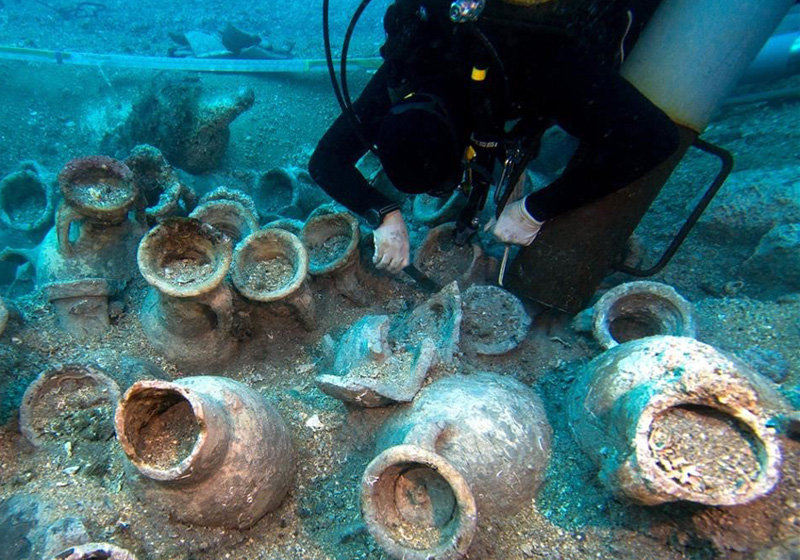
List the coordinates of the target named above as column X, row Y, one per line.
column 465, row 85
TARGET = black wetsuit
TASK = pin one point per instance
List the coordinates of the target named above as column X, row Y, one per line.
column 552, row 77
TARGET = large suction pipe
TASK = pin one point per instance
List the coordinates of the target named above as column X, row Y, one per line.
column 687, row 59
column 693, row 52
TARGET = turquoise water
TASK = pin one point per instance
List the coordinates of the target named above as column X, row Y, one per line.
column 245, row 138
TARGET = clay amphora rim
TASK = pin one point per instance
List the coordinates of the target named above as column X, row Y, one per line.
column 295, row 252
column 349, row 227
column 149, row 264
column 38, row 386
column 44, row 216
column 82, row 171
column 466, row 517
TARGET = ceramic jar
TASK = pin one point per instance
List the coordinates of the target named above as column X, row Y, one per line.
column 669, row 418
column 468, row 447
column 270, row 269
column 188, row 311
column 206, row 450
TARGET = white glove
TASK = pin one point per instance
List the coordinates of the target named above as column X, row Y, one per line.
column 391, row 243
column 515, row 225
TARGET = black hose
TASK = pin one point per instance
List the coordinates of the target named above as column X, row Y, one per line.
column 342, row 93
column 346, row 47
column 326, row 39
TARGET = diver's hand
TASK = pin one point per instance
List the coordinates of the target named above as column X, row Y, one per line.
column 391, row 243
column 515, row 225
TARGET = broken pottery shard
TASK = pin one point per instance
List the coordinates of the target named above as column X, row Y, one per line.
column 438, row 319
column 94, row 550
column 371, row 373
column 235, row 40
column 204, row 45
column 365, row 341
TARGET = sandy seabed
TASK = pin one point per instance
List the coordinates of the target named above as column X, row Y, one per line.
column 54, row 113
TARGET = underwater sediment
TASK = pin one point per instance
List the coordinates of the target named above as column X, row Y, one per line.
column 76, row 490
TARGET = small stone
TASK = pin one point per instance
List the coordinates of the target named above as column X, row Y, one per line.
column 315, row 423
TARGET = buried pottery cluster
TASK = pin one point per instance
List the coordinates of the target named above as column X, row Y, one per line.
column 204, row 450
column 452, row 456
column 209, row 270
column 210, row 451
column 102, row 210
column 99, row 213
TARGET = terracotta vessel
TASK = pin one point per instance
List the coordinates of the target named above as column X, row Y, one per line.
column 53, row 400
column 670, row 418
column 207, row 450
column 495, row 320
column 443, row 261
column 468, row 447
column 27, row 202
column 96, row 234
column 188, row 311
column 269, row 270
column 287, row 192
column 230, row 211
column 18, row 271
column 332, row 243
column 636, row 310
column 161, row 192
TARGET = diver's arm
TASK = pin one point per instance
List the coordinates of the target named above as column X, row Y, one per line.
column 333, row 164
column 622, row 136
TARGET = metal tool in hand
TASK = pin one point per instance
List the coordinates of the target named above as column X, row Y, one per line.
column 512, row 170
column 503, row 263
column 422, row 280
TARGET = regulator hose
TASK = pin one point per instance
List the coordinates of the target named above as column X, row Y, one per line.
column 341, row 91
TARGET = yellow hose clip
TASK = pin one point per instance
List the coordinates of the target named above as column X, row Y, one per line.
column 479, row 74
column 470, row 153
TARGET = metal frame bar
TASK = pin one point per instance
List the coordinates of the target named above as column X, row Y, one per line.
column 726, row 159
